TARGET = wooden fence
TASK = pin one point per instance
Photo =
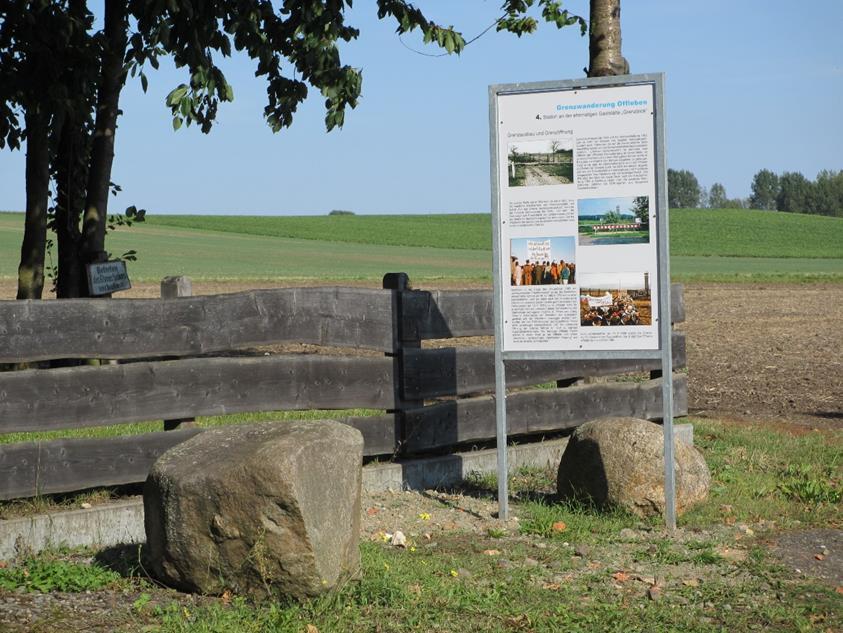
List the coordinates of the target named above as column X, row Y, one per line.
column 176, row 362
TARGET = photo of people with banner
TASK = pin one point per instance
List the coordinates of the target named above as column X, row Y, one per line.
column 539, row 261
column 615, row 299
column 614, row 220
column 545, row 162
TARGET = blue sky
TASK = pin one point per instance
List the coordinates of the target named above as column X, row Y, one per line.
column 750, row 84
column 560, row 248
column 599, row 206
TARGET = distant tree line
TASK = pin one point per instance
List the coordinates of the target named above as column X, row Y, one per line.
column 791, row 192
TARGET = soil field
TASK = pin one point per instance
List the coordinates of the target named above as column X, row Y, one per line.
column 755, row 351
column 766, row 352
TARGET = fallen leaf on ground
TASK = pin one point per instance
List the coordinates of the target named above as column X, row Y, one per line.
column 559, row 526
column 311, row 629
column 654, row 592
column 398, row 539
column 226, row 596
column 839, row 589
column 372, row 511
column 620, row 576
column 691, row 582
column 551, row 586
column 819, row 556
column 491, row 552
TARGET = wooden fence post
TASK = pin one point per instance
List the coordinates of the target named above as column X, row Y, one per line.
column 399, row 283
column 172, row 288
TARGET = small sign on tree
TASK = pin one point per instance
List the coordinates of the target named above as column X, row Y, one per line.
column 107, row 277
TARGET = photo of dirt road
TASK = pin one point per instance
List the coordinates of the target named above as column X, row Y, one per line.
column 535, row 175
column 540, row 163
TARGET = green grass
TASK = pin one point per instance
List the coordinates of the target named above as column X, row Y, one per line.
column 758, row 472
column 751, row 233
column 755, row 269
column 205, row 254
column 49, row 572
column 469, row 231
column 706, row 245
column 533, row 578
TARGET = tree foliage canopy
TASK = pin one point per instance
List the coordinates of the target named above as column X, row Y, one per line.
column 61, row 78
column 683, row 189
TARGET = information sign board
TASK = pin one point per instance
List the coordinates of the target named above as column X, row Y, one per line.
column 579, row 215
column 577, row 218
column 107, row 277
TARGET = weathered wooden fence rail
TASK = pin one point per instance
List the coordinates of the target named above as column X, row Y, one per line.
column 432, row 398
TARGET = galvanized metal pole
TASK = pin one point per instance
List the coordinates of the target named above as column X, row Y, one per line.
column 498, row 281
column 500, row 416
column 664, row 305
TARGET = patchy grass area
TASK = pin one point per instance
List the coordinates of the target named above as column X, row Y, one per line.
column 561, row 567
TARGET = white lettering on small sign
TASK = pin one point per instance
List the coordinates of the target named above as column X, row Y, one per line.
column 107, row 277
column 538, row 250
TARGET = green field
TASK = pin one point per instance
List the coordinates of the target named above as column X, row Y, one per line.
column 207, row 254
column 715, row 245
column 470, row 231
column 751, row 233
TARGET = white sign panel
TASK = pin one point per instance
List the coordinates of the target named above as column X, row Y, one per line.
column 107, row 277
column 577, row 225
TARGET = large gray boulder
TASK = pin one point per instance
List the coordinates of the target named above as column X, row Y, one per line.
column 620, row 462
column 263, row 509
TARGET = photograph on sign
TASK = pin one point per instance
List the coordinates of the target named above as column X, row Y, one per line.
column 537, row 163
column 537, row 261
column 615, row 299
column 576, row 219
column 614, row 220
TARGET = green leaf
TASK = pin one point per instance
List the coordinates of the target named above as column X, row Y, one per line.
column 176, row 123
column 176, row 95
column 449, row 42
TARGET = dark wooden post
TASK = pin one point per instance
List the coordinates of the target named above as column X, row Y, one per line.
column 399, row 283
column 172, row 288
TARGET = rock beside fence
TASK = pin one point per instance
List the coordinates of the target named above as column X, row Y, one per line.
column 620, row 462
column 266, row 509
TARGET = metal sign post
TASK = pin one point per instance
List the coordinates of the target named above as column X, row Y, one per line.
column 580, row 228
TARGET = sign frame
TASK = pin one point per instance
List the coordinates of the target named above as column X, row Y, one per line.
column 663, row 352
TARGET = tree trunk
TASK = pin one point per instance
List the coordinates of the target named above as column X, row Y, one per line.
column 69, row 173
column 604, row 46
column 33, row 248
column 112, row 78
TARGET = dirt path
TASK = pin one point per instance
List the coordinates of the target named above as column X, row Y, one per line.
column 535, row 176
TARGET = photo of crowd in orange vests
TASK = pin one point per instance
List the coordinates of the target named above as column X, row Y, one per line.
column 541, row 261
